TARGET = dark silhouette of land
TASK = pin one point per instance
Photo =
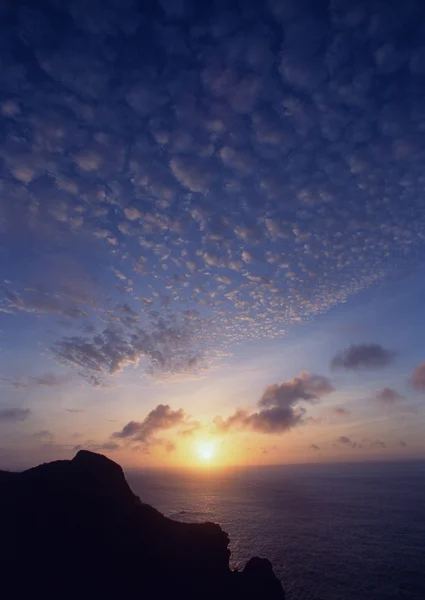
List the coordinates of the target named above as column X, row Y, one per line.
column 74, row 529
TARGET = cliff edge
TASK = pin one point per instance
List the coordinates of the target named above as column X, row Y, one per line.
column 74, row 529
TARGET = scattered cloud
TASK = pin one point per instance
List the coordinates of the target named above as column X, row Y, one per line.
column 314, row 447
column 371, row 443
column 388, row 396
column 161, row 418
column 363, row 356
column 257, row 117
column 343, row 439
column 403, row 444
column 279, row 406
column 46, row 380
column 304, row 387
column 41, row 302
column 282, row 106
column 340, row 411
column 169, row 347
column 314, row 420
column 14, row 414
column 377, row 444
column 68, row 291
column 44, row 435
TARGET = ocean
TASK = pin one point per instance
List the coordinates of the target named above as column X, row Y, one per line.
column 332, row 532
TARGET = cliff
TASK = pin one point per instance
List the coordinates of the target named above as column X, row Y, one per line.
column 74, row 529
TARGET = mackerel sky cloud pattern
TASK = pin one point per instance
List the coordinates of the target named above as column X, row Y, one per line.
column 208, row 174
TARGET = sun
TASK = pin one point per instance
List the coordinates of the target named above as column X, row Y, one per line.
column 205, row 450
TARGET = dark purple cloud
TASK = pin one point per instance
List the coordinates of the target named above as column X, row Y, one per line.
column 14, row 414
column 159, row 419
column 305, row 387
column 363, row 356
column 371, row 443
column 377, row 444
column 343, row 439
column 279, row 406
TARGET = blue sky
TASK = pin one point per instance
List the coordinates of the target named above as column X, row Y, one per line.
column 201, row 207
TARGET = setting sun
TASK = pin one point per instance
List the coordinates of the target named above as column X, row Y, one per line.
column 205, row 450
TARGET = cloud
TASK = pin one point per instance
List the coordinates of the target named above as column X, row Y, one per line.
column 370, row 443
column 418, row 377
column 46, row 380
column 192, row 173
column 403, row 444
column 314, row 447
column 190, row 429
column 363, row 356
column 159, row 419
column 314, row 420
column 343, row 439
column 377, row 444
column 271, row 101
column 272, row 420
column 108, row 446
column 169, row 346
column 340, row 412
column 166, row 444
column 388, row 396
column 67, row 291
column 44, row 435
column 279, row 410
column 14, row 414
column 305, row 387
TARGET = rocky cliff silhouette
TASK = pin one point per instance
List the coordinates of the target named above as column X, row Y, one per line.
column 74, row 529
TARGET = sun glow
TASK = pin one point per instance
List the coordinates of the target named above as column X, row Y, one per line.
column 205, row 450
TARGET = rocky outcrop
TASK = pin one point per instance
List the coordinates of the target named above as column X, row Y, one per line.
column 74, row 529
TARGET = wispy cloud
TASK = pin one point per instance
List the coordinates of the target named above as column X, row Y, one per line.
column 340, row 411
column 49, row 380
column 108, row 446
column 169, row 346
column 44, row 435
column 14, row 414
column 388, row 396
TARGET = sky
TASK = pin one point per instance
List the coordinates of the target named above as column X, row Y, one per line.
column 212, row 231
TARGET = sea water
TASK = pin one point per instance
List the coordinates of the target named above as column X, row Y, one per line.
column 332, row 532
